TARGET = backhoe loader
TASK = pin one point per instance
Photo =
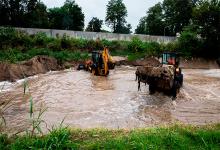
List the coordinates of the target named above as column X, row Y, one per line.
column 100, row 64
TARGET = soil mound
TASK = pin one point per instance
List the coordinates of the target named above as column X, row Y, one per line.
column 149, row 61
column 36, row 65
column 199, row 63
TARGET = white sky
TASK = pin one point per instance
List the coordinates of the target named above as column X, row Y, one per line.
column 97, row 8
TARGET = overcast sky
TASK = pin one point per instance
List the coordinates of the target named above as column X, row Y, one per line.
column 97, row 8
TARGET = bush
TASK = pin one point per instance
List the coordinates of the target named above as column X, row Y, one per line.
column 151, row 48
column 106, row 43
column 39, row 39
column 66, row 42
column 189, row 44
column 55, row 45
column 7, row 37
column 135, row 45
column 171, row 47
column 22, row 39
column 91, row 45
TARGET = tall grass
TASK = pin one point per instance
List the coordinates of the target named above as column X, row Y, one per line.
column 175, row 137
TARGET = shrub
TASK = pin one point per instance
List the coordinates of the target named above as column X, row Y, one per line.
column 54, row 45
column 151, row 48
column 22, row 39
column 66, row 42
column 189, row 44
column 91, row 45
column 40, row 39
column 7, row 37
column 171, row 47
column 106, row 43
column 135, row 45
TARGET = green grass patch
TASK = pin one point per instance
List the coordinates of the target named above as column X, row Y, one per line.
column 15, row 55
column 174, row 137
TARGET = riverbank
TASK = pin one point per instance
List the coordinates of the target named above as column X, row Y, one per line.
column 40, row 64
column 171, row 137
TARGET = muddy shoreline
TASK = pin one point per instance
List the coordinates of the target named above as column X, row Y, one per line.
column 44, row 64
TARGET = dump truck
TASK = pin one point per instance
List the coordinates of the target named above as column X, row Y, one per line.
column 100, row 64
column 167, row 77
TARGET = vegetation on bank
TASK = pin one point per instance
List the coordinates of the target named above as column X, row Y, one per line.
column 174, row 137
column 18, row 46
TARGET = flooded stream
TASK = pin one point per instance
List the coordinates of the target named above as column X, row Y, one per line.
column 87, row 101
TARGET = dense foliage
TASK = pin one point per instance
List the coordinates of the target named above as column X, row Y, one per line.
column 115, row 17
column 198, row 23
column 95, row 25
column 34, row 14
column 24, row 46
column 167, row 18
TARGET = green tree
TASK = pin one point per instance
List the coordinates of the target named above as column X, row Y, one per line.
column 206, row 17
column 23, row 13
column 115, row 16
column 37, row 15
column 68, row 17
column 189, row 43
column 4, row 12
column 154, row 20
column 141, row 27
column 16, row 12
column 73, row 18
column 55, row 16
column 153, row 23
column 95, row 25
column 177, row 15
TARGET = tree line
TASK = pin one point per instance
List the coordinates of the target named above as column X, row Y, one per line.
column 35, row 14
column 197, row 21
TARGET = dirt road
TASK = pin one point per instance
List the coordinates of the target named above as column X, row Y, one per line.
column 87, row 101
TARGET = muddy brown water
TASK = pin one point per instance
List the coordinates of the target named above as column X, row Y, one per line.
column 87, row 101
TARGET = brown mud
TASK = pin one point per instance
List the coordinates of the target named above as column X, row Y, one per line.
column 36, row 65
column 87, row 101
column 44, row 64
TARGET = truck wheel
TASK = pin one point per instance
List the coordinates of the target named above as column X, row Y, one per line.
column 151, row 89
column 175, row 89
column 181, row 80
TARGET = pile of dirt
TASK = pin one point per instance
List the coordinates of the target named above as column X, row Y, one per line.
column 159, row 72
column 148, row 61
column 161, row 76
column 36, row 65
column 199, row 63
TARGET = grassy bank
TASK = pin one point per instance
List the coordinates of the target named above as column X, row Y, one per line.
column 67, row 48
column 18, row 46
column 15, row 55
column 175, row 137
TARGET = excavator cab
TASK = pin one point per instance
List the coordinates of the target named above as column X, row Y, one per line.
column 170, row 58
column 100, row 63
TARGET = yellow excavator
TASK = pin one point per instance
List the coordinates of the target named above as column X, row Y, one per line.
column 100, row 64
